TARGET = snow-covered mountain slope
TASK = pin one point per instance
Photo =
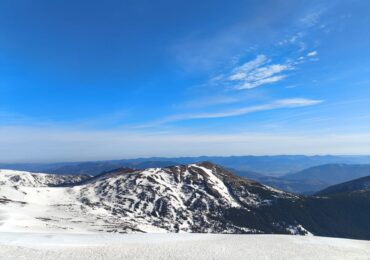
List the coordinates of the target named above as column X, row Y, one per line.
column 29, row 179
column 177, row 246
column 202, row 198
column 193, row 198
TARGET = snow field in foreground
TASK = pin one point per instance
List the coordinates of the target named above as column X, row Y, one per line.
column 177, row 246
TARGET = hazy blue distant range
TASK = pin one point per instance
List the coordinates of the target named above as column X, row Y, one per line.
column 265, row 165
column 313, row 179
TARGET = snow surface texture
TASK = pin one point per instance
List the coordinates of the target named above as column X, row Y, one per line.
column 192, row 198
column 177, row 246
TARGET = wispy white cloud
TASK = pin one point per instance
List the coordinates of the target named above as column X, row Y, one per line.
column 312, row 54
column 295, row 38
column 283, row 103
column 312, row 18
column 261, row 71
column 255, row 73
column 260, row 80
column 240, row 72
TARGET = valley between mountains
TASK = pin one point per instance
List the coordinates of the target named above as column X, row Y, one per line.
column 194, row 198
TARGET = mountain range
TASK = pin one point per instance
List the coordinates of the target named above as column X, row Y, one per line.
column 201, row 197
column 331, row 173
column 311, row 180
column 273, row 166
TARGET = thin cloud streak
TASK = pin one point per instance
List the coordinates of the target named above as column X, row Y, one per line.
column 283, row 103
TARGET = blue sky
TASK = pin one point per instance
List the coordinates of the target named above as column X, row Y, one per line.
column 86, row 80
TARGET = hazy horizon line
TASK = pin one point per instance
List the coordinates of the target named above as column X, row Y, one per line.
column 150, row 158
